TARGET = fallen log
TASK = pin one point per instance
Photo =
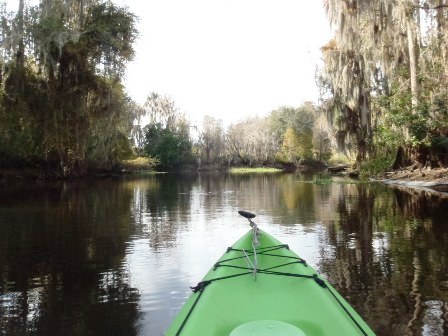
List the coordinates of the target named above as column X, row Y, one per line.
column 337, row 169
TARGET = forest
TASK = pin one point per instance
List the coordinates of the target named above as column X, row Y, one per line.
column 64, row 110
column 385, row 79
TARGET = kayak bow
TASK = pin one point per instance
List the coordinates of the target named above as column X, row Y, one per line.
column 261, row 287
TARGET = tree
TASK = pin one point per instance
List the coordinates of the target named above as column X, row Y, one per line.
column 170, row 148
column 137, row 132
column 211, row 139
column 167, row 135
column 293, row 131
column 299, row 119
column 161, row 109
column 380, row 72
column 63, row 104
column 250, row 142
column 322, row 141
column 290, row 147
column 348, row 106
column 296, row 146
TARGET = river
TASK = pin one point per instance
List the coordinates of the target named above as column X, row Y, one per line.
column 116, row 256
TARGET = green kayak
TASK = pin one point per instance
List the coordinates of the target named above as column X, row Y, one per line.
column 260, row 287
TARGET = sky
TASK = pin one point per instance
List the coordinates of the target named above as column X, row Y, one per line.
column 229, row 59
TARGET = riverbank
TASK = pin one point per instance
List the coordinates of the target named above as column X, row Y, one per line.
column 424, row 175
column 433, row 180
column 30, row 174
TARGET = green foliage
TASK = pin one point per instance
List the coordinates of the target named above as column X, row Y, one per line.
column 399, row 96
column 392, row 126
column 299, row 119
column 402, row 124
column 62, row 104
column 376, row 166
column 305, row 140
column 167, row 136
column 296, row 146
column 19, row 136
column 290, row 147
column 339, row 159
column 324, row 156
column 259, row 170
column 109, row 36
column 438, row 112
column 293, row 132
column 439, row 147
column 169, row 147
column 122, row 148
column 440, row 143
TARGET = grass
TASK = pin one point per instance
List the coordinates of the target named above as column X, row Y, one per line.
column 325, row 181
column 139, row 164
column 259, row 170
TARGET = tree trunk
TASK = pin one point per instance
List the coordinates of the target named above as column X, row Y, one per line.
column 402, row 158
column 440, row 19
column 20, row 55
column 412, row 65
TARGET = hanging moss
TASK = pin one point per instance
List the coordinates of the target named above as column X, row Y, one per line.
column 63, row 106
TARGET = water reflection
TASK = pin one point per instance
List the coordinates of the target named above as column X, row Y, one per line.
column 160, row 207
column 61, row 249
column 116, row 256
column 389, row 258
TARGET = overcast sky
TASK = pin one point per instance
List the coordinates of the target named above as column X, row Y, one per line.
column 227, row 58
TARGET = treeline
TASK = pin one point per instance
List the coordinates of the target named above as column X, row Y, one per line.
column 385, row 81
column 63, row 107
column 64, row 110
column 286, row 136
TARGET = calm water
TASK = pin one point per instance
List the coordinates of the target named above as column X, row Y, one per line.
column 117, row 256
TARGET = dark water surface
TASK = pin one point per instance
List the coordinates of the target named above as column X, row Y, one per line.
column 117, row 256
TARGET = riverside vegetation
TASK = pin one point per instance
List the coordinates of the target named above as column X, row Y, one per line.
column 64, row 111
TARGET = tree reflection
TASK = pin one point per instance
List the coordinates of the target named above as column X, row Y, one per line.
column 161, row 207
column 57, row 246
column 389, row 257
column 64, row 248
column 284, row 196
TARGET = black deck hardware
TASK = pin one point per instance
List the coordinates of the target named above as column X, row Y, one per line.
column 246, row 214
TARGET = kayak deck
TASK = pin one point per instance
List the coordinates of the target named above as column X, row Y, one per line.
column 284, row 288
